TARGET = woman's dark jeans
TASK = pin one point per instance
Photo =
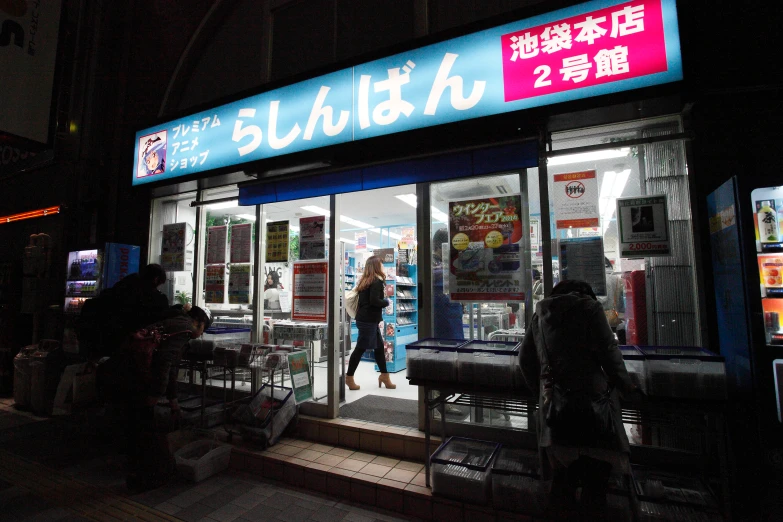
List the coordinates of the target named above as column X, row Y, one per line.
column 369, row 339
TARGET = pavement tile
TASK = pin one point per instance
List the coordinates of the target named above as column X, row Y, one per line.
column 329, row 514
column 410, row 466
column 167, row 508
column 329, row 460
column 351, row 464
column 295, row 514
column 376, row 470
column 186, row 499
column 310, row 455
column 262, row 513
column 194, row 513
column 385, row 461
column 401, row 475
column 278, row 501
column 341, row 452
column 249, row 500
column 228, row 513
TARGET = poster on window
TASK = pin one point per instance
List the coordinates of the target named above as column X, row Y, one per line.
column 484, row 253
column 216, row 245
column 643, row 226
column 239, row 284
column 312, row 238
column 241, row 243
column 408, row 239
column 277, row 242
column 174, row 254
column 582, row 259
column 215, row 284
column 575, row 197
column 299, row 368
column 361, row 240
column 310, row 291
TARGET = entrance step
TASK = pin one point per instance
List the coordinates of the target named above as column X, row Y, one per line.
column 363, row 477
column 380, row 439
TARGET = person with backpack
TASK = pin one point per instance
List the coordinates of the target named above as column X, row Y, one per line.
column 570, row 357
column 371, row 290
column 146, row 371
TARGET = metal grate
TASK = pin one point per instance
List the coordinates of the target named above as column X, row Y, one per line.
column 671, row 281
column 513, row 405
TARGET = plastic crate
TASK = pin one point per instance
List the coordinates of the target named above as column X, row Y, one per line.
column 669, row 488
column 684, row 372
column 489, row 363
column 222, row 334
column 267, row 416
column 433, row 359
column 461, row 469
column 660, row 512
column 635, row 363
column 202, row 459
column 516, row 485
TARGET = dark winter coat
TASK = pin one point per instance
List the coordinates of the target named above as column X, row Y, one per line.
column 372, row 301
column 163, row 372
column 582, row 351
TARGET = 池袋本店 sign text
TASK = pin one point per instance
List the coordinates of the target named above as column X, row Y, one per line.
column 591, row 49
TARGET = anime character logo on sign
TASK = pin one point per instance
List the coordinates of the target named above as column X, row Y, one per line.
column 152, row 154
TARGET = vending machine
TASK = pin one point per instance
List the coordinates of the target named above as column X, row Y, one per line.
column 88, row 272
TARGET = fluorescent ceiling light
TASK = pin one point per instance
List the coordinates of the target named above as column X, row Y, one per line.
column 612, row 187
column 355, row 222
column 292, row 228
column 223, row 204
column 441, row 217
column 249, row 217
column 410, row 199
column 316, row 210
column 588, row 156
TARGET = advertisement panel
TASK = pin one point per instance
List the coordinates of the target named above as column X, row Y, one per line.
column 643, row 226
column 312, row 238
column 575, row 197
column 310, row 291
column 215, row 284
column 241, row 243
column 277, row 242
column 173, row 253
column 590, row 49
column 239, row 284
column 29, row 32
column 216, row 244
column 299, row 368
column 484, row 255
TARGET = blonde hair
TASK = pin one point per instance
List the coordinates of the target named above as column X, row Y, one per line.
column 373, row 269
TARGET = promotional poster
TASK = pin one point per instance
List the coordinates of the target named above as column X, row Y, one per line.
column 239, row 284
column 241, row 243
column 310, row 291
column 216, row 244
column 312, row 238
column 173, row 248
column 215, row 284
column 277, row 242
column 575, row 197
column 484, row 255
column 643, row 226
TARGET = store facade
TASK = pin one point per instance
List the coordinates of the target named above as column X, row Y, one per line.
column 568, row 123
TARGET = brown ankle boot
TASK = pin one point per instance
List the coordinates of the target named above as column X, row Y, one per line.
column 351, row 383
column 386, row 381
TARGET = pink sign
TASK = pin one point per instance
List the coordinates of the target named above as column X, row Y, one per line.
column 608, row 45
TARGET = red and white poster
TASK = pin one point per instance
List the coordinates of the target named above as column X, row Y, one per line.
column 215, row 284
column 485, row 254
column 216, row 245
column 575, row 197
column 241, row 242
column 312, row 238
column 310, row 291
column 615, row 43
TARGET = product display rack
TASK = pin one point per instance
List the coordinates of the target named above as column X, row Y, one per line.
column 768, row 210
column 400, row 318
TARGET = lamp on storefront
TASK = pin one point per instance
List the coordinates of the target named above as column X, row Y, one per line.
column 30, row 214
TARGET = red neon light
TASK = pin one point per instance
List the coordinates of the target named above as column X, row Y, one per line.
column 31, row 214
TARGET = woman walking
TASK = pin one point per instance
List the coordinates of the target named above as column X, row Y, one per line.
column 372, row 300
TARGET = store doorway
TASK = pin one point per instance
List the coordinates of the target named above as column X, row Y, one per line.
column 382, row 223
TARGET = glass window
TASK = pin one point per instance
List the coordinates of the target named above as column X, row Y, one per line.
column 172, row 244
column 648, row 300
column 293, row 322
column 227, row 255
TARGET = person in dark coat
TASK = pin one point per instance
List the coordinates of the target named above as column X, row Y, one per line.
column 150, row 463
column 583, row 354
column 372, row 300
column 447, row 314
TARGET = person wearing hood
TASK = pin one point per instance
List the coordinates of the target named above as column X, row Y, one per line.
column 570, row 348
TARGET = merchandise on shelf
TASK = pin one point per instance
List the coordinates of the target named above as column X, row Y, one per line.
column 684, row 372
column 461, row 469
column 489, row 363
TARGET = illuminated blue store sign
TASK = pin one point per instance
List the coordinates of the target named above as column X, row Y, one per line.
column 591, row 49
